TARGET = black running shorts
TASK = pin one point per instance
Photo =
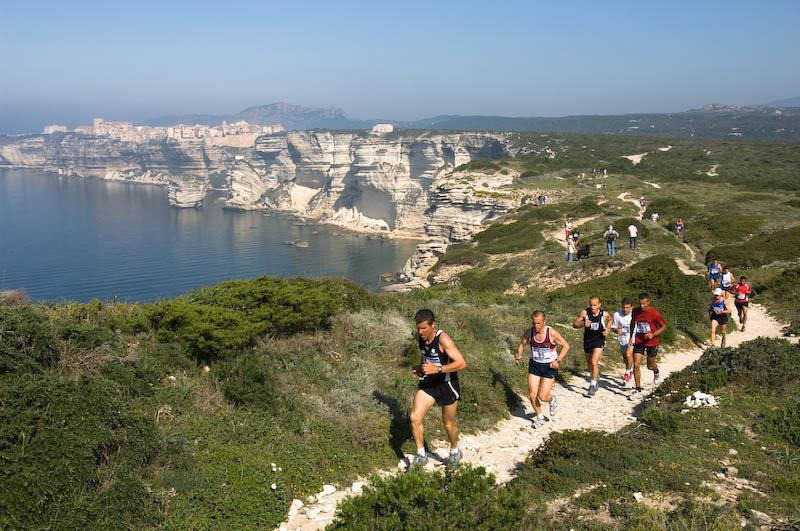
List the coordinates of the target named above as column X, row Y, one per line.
column 641, row 349
column 589, row 346
column 743, row 304
column 541, row 369
column 445, row 393
column 721, row 318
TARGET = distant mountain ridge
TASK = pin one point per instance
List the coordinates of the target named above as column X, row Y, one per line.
column 788, row 102
column 758, row 122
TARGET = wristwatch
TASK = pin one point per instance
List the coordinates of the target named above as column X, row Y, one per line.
column 439, row 369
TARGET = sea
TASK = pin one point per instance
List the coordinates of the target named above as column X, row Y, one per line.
column 76, row 239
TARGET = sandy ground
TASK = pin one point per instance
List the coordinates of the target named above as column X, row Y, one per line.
column 559, row 236
column 665, row 148
column 712, row 172
column 654, row 185
column 635, row 159
column 624, row 197
column 503, row 449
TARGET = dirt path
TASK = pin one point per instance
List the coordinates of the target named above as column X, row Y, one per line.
column 624, row 197
column 559, row 236
column 504, row 448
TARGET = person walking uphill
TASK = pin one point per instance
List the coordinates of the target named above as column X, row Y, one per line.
column 718, row 312
column 596, row 323
column 648, row 325
column 633, row 234
column 543, row 364
column 438, row 384
column 611, row 238
column 741, row 299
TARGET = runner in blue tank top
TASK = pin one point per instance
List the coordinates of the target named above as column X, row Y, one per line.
column 714, row 273
column 438, row 384
column 718, row 312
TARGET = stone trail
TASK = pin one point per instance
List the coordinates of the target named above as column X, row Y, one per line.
column 504, row 448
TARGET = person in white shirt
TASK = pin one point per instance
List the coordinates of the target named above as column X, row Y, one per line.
column 633, row 233
column 654, row 217
column 621, row 325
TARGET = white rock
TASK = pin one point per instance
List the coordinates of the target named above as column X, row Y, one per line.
column 327, row 490
column 273, row 486
column 171, row 378
column 638, row 496
column 358, row 487
column 732, row 451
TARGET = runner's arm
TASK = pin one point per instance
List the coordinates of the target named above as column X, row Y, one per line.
column 561, row 342
column 606, row 323
column 521, row 346
column 579, row 321
column 458, row 362
column 661, row 328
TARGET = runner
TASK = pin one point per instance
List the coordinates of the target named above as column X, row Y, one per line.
column 718, row 312
column 742, row 293
column 438, row 384
column 543, row 365
column 726, row 281
column 648, row 325
column 633, row 234
column 679, row 229
column 595, row 323
column 714, row 272
column 611, row 239
column 622, row 327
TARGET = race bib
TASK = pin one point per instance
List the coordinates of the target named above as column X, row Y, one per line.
column 741, row 296
column 594, row 326
column 542, row 354
column 642, row 327
column 718, row 310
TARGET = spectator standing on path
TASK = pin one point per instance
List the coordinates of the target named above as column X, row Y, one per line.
column 611, row 238
column 633, row 233
column 575, row 235
column 571, row 250
column 567, row 229
column 654, row 217
column 742, row 293
column 642, row 203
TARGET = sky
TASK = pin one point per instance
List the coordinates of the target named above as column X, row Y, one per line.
column 64, row 62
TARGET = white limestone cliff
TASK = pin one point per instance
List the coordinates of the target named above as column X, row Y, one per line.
column 187, row 193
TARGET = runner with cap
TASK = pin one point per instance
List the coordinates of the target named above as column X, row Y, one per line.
column 718, row 312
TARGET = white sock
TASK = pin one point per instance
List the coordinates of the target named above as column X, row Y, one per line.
column 454, row 451
column 421, row 451
column 594, row 383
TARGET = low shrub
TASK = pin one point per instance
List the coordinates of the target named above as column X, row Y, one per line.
column 501, row 238
column 73, row 454
column 463, row 499
column 724, row 227
column 759, row 250
column 26, row 340
column 783, row 423
column 217, row 322
column 249, row 379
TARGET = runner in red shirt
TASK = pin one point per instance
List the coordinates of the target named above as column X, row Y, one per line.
column 647, row 325
column 741, row 298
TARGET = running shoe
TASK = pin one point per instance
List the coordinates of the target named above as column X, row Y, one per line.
column 742, row 328
column 538, row 422
column 553, row 406
column 591, row 391
column 656, row 378
column 454, row 459
column 636, row 395
column 419, row 460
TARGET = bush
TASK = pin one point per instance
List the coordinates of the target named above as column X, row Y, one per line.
column 784, row 422
column 463, row 499
column 26, row 340
column 501, row 238
column 725, row 227
column 759, row 250
column 250, row 380
column 72, row 454
column 217, row 322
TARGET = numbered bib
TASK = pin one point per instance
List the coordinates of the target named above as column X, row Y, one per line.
column 642, row 327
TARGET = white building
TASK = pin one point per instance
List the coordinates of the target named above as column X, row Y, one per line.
column 50, row 129
column 382, row 128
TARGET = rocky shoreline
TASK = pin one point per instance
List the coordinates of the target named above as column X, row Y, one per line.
column 393, row 185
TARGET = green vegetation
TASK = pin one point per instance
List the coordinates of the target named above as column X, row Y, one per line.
column 587, row 480
column 760, row 250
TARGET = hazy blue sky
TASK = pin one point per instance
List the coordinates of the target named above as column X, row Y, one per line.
column 404, row 60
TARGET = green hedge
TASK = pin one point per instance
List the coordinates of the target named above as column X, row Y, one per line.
column 217, row 322
column 759, row 250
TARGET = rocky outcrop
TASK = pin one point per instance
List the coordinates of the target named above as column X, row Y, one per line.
column 400, row 185
column 188, row 193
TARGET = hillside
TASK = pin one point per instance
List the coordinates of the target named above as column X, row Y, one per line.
column 220, row 407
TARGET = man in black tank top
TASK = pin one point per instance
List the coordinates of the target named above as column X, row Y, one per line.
column 438, row 384
column 595, row 323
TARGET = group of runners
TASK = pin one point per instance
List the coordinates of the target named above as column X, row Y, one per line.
column 725, row 287
column 638, row 330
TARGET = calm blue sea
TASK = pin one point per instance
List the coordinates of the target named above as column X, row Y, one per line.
column 80, row 239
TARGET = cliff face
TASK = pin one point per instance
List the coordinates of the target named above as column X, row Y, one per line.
column 400, row 185
column 375, row 182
